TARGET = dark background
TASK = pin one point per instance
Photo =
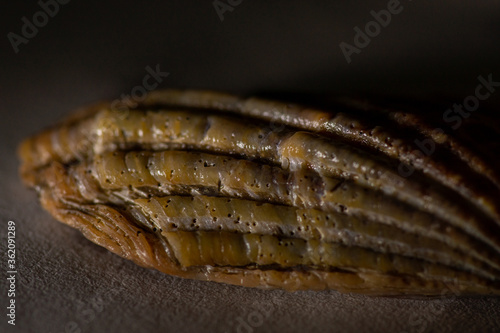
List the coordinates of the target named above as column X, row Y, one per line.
column 93, row 50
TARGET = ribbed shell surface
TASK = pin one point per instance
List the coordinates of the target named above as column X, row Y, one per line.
column 268, row 194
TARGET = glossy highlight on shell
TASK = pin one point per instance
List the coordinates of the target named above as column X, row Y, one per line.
column 262, row 193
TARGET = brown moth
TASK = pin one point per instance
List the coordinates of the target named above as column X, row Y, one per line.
column 268, row 194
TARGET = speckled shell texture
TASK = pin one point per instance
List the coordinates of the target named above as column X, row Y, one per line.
column 356, row 196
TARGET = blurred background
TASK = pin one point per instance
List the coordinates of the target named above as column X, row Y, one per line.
column 92, row 50
column 84, row 51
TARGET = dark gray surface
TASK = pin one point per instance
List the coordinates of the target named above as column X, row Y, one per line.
column 90, row 51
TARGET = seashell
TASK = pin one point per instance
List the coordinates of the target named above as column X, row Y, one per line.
column 261, row 193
